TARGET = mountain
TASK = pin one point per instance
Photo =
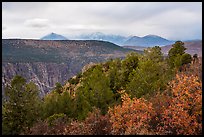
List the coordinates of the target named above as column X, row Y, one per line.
column 54, row 36
column 116, row 39
column 46, row 62
column 147, row 41
column 193, row 47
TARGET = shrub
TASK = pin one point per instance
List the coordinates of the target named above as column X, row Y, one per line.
column 184, row 113
column 132, row 117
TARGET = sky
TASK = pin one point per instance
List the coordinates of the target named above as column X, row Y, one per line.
column 171, row 20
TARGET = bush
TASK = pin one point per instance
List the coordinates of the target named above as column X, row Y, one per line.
column 184, row 113
column 132, row 117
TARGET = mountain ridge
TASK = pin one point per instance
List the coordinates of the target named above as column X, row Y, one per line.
column 148, row 40
column 53, row 36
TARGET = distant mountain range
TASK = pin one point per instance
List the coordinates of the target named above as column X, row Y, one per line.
column 116, row 39
column 54, row 36
column 146, row 41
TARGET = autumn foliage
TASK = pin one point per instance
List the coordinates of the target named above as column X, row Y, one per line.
column 132, row 117
column 184, row 113
column 178, row 110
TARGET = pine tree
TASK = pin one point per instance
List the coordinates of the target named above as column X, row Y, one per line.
column 20, row 108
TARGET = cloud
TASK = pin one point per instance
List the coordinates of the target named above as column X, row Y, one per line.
column 37, row 23
column 174, row 20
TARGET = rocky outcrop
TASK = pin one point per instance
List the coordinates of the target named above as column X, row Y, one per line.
column 44, row 75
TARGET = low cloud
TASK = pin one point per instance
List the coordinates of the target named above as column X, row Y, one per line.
column 37, row 23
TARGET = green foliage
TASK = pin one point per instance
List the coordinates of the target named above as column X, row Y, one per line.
column 55, row 103
column 175, row 54
column 149, row 77
column 186, row 58
column 65, row 104
column 177, row 48
column 128, row 65
column 21, row 107
column 81, row 106
column 131, row 61
column 177, row 61
column 96, row 89
column 114, row 74
column 155, row 54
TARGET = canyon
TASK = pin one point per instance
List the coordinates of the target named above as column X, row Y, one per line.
column 47, row 62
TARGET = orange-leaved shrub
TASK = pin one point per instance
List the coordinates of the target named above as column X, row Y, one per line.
column 132, row 117
column 176, row 111
column 184, row 113
column 160, row 101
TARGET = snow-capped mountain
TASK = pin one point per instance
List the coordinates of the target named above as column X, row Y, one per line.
column 147, row 41
column 116, row 39
column 54, row 36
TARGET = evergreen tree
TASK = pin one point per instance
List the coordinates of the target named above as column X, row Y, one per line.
column 151, row 75
column 155, row 54
column 96, row 89
column 50, row 105
column 65, row 104
column 128, row 65
column 175, row 54
column 81, row 106
column 21, row 107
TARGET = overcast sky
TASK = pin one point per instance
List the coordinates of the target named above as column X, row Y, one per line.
column 172, row 20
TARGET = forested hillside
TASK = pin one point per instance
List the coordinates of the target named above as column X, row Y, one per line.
column 142, row 94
